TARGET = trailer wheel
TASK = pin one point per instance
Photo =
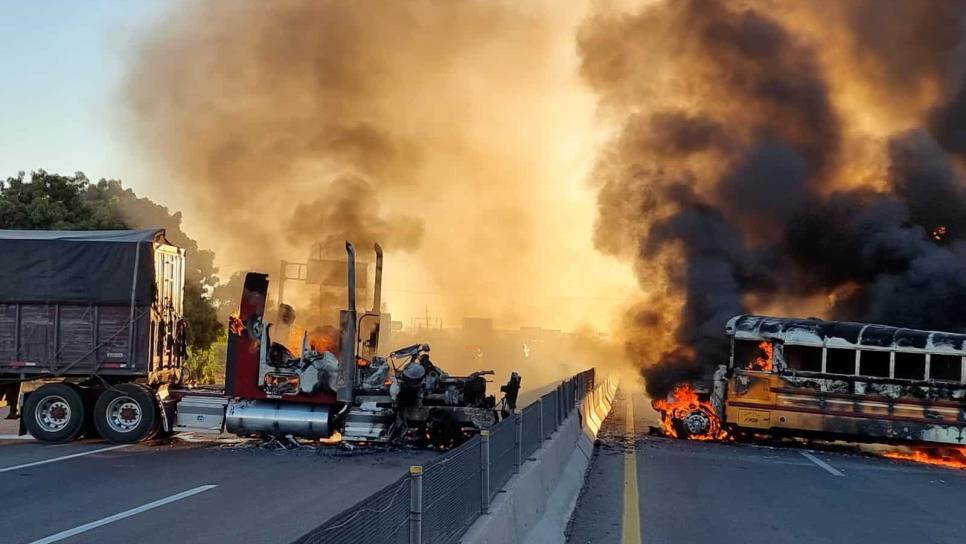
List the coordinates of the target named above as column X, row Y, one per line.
column 126, row 414
column 55, row 413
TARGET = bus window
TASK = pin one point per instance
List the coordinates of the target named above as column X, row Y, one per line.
column 874, row 363
column 803, row 358
column 910, row 366
column 753, row 355
column 840, row 361
column 947, row 368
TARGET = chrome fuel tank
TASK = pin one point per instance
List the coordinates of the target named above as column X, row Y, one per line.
column 278, row 418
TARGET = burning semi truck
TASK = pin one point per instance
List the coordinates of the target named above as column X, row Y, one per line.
column 809, row 377
column 93, row 338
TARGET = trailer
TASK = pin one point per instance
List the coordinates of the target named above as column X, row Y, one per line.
column 91, row 323
column 92, row 337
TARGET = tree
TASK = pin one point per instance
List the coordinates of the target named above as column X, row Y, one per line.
column 51, row 201
column 204, row 327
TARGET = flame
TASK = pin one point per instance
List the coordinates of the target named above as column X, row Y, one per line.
column 320, row 340
column 766, row 363
column 235, row 326
column 684, row 400
column 939, row 233
column 951, row 457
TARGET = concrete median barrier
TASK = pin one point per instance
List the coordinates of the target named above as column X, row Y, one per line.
column 535, row 504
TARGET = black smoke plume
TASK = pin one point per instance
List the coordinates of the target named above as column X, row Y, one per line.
column 743, row 177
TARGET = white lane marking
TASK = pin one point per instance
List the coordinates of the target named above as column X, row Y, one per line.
column 828, row 468
column 125, row 514
column 61, row 458
column 15, row 437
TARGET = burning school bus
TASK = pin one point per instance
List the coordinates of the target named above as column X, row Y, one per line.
column 860, row 381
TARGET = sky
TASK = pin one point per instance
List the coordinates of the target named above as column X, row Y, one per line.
column 61, row 66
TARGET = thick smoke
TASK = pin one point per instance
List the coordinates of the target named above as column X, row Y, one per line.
column 746, row 175
column 449, row 132
column 350, row 211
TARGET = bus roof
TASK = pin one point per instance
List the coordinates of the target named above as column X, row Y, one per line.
column 843, row 334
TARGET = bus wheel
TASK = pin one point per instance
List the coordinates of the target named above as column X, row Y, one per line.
column 126, row 414
column 55, row 413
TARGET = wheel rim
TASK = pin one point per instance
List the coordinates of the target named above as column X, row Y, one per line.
column 52, row 414
column 123, row 414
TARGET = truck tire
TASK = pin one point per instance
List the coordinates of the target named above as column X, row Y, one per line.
column 55, row 413
column 126, row 414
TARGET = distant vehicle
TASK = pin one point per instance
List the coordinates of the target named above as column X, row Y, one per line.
column 92, row 336
column 859, row 381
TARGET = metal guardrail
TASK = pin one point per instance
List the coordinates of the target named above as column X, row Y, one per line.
column 438, row 502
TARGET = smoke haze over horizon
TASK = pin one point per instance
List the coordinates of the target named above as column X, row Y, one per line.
column 454, row 134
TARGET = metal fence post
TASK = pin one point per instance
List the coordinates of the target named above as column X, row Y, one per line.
column 518, row 443
column 485, row 470
column 415, row 505
column 556, row 408
column 540, row 427
column 560, row 405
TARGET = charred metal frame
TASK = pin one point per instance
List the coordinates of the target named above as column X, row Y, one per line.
column 879, row 407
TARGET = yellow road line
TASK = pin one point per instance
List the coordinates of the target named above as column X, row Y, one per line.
column 631, row 527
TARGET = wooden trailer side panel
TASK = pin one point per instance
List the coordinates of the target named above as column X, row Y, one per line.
column 73, row 340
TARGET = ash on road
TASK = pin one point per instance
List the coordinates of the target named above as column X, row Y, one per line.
column 699, row 492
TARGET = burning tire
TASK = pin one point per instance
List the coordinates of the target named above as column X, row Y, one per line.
column 694, row 423
column 126, row 414
column 687, row 413
column 55, row 413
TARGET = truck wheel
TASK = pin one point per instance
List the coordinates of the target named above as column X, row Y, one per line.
column 55, row 413
column 126, row 414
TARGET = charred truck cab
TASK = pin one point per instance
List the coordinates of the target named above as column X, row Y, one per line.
column 854, row 380
column 343, row 385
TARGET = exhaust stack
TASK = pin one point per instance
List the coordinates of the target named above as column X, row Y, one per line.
column 347, row 321
column 377, row 288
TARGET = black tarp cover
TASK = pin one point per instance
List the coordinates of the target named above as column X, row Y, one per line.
column 77, row 267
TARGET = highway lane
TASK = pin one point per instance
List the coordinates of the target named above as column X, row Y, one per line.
column 92, row 491
column 255, row 495
column 697, row 492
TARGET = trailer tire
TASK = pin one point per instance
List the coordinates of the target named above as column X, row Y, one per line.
column 55, row 413
column 126, row 414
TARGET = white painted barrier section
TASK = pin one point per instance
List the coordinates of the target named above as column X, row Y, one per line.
column 535, row 504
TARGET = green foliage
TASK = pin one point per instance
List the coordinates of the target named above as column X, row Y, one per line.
column 51, row 201
column 207, row 366
column 204, row 327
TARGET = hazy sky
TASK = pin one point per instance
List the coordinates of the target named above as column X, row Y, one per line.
column 61, row 64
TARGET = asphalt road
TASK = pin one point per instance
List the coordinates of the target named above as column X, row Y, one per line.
column 173, row 491
column 695, row 492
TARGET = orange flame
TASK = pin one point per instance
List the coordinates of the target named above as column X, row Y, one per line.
column 766, row 363
column 684, row 401
column 951, row 457
column 320, row 340
column 235, row 325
